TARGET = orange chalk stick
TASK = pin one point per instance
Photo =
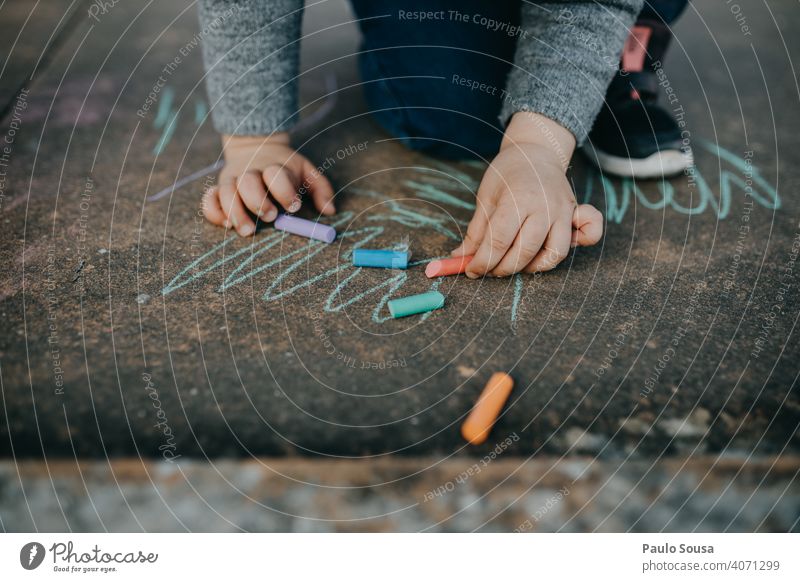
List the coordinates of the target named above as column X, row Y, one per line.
column 444, row 267
column 486, row 410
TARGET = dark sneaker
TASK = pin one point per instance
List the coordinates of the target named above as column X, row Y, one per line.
column 633, row 136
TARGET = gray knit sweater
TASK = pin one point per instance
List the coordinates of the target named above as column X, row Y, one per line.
column 562, row 66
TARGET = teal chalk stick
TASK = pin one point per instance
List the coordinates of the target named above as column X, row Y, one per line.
column 380, row 259
column 416, row 304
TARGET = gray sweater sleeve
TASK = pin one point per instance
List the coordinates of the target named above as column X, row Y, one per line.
column 566, row 58
column 251, row 53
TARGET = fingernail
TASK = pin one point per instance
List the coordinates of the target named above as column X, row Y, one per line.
column 246, row 230
column 271, row 215
column 295, row 206
column 472, row 275
column 234, row 222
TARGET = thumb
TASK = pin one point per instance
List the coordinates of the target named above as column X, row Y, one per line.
column 473, row 237
column 476, row 229
column 587, row 226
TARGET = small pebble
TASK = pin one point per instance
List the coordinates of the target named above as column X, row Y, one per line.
column 580, row 440
column 694, row 426
column 142, row 298
column 466, row 371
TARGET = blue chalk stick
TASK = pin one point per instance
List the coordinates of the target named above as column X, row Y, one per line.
column 380, row 259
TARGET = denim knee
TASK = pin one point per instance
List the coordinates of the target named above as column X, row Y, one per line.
column 411, row 70
column 432, row 115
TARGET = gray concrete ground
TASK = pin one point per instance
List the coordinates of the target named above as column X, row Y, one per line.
column 131, row 328
column 407, row 495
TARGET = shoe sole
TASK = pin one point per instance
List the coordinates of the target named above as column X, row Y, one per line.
column 662, row 164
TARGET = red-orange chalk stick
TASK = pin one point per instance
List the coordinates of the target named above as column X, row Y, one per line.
column 444, row 267
column 486, row 410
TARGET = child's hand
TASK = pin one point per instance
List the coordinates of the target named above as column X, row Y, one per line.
column 258, row 172
column 526, row 210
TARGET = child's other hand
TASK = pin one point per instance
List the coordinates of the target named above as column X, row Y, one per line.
column 526, row 210
column 260, row 174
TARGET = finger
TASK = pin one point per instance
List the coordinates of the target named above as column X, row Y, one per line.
column 232, row 206
column 587, row 224
column 320, row 188
column 253, row 194
column 555, row 249
column 474, row 235
column 282, row 185
column 476, row 229
column 500, row 234
column 211, row 208
column 526, row 245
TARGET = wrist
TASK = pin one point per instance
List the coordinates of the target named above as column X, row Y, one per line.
column 230, row 142
column 531, row 128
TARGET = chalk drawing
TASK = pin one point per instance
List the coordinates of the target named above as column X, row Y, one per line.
column 164, row 112
column 167, row 116
column 517, row 296
column 286, row 271
column 769, row 199
column 200, row 112
column 166, row 134
column 247, row 263
column 411, row 218
column 618, row 197
column 395, row 282
column 430, row 192
column 201, row 173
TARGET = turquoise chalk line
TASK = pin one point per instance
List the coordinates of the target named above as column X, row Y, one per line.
column 618, row 198
column 249, row 261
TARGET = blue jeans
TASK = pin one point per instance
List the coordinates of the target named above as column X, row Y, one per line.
column 417, row 74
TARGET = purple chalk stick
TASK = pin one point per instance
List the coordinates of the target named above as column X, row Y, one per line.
column 307, row 228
